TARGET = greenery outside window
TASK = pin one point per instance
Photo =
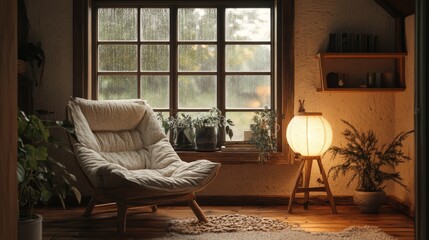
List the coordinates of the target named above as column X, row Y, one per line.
column 187, row 57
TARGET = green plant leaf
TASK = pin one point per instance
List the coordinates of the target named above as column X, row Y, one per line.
column 37, row 180
column 188, row 134
column 41, row 153
column 45, row 194
column 69, row 175
column 76, row 194
column 20, row 172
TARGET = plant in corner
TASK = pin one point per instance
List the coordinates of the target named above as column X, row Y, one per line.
column 367, row 162
column 39, row 176
column 206, row 125
column 264, row 130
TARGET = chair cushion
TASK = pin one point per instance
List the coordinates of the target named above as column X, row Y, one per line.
column 176, row 177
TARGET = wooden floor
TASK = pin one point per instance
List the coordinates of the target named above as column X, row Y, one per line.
column 142, row 224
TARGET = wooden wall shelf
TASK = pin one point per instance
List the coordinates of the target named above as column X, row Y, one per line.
column 349, row 72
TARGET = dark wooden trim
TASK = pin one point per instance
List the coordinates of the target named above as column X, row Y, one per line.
column 287, row 71
column 231, row 157
column 270, row 200
column 398, row 8
column 174, row 86
column 8, row 118
column 421, row 117
column 389, row 8
column 187, row 3
column 280, row 200
column 80, row 48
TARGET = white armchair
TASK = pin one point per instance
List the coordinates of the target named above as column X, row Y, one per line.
column 127, row 158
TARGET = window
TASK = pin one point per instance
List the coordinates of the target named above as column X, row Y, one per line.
column 187, row 58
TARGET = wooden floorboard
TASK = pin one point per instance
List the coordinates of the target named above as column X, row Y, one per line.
column 59, row 224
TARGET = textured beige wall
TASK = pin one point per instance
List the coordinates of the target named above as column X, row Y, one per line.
column 365, row 110
column 51, row 23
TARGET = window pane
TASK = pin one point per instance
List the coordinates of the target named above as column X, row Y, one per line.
column 242, row 121
column 117, row 24
column 117, row 58
column 197, row 24
column 155, row 58
column 248, row 91
column 155, row 89
column 243, row 58
column 247, row 24
column 197, row 91
column 197, row 58
column 117, row 87
column 155, row 24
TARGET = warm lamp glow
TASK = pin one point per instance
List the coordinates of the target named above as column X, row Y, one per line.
column 309, row 134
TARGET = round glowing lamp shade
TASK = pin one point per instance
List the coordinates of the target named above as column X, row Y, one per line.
column 309, row 134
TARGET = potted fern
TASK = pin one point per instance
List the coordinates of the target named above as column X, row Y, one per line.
column 39, row 176
column 369, row 164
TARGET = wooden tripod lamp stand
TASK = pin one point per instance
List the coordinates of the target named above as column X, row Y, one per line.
column 310, row 135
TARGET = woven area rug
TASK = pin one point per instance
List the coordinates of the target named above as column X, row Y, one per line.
column 241, row 227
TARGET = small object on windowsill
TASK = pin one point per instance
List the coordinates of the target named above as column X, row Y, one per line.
column 247, row 135
column 240, row 148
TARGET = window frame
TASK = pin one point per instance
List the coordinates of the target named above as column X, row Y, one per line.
column 282, row 65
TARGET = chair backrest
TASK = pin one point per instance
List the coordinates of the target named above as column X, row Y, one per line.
column 115, row 127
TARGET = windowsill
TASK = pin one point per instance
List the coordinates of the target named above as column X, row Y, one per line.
column 229, row 157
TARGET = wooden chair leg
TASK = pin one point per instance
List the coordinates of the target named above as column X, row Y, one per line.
column 90, row 206
column 197, row 211
column 154, row 208
column 292, row 195
column 122, row 216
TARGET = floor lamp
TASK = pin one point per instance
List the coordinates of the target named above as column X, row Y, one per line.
column 309, row 135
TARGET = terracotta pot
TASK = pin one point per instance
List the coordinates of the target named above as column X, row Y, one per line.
column 369, row 202
column 30, row 229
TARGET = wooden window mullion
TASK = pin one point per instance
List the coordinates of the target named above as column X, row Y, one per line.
column 174, row 81
column 139, row 92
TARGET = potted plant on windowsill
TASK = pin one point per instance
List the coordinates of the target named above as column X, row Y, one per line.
column 183, row 132
column 206, row 125
column 367, row 162
column 264, row 133
column 39, row 176
column 182, row 129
